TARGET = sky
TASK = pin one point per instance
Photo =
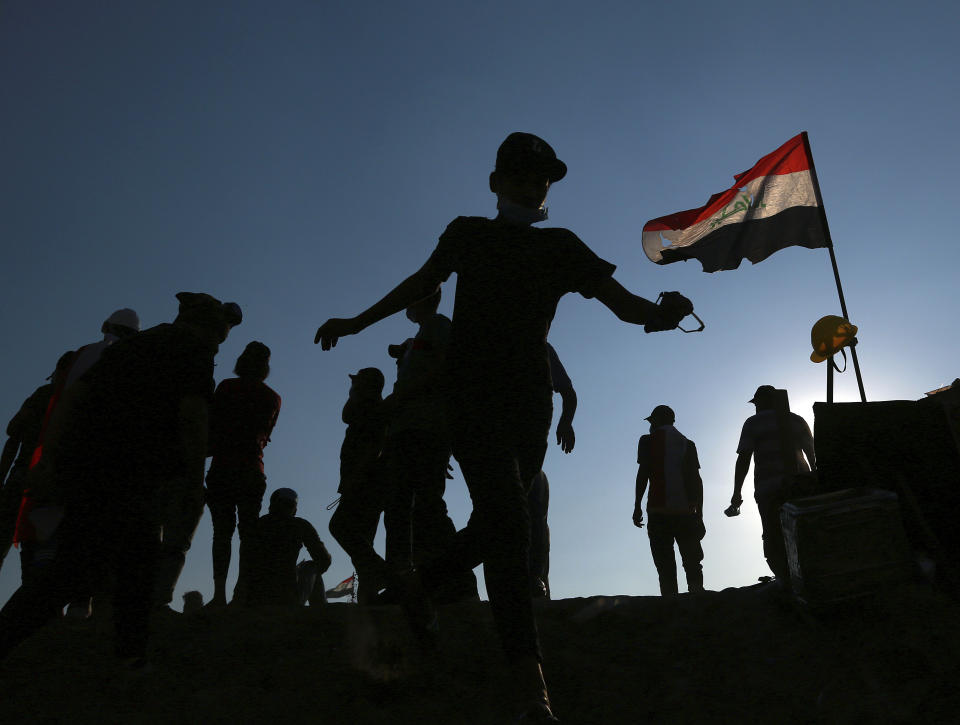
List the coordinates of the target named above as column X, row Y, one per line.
column 302, row 158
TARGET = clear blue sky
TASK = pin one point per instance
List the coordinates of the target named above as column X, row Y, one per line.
column 302, row 157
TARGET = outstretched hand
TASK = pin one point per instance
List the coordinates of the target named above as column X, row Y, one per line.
column 333, row 329
column 672, row 307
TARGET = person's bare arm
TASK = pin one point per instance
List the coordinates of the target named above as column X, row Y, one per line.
column 624, row 304
column 566, row 438
column 418, row 285
column 739, row 476
column 642, row 477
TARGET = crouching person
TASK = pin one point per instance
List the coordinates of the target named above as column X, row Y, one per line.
column 269, row 573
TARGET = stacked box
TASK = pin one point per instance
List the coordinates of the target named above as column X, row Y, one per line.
column 844, row 544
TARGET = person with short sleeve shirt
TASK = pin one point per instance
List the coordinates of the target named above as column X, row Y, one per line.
column 362, row 488
column 243, row 415
column 135, row 420
column 510, row 277
column 269, row 573
column 667, row 461
column 780, row 444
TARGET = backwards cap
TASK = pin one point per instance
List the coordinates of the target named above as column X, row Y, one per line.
column 124, row 317
column 203, row 309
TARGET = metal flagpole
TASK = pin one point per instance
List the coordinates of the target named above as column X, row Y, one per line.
column 833, row 261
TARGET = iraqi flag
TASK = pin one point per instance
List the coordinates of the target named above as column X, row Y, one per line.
column 773, row 205
column 343, row 589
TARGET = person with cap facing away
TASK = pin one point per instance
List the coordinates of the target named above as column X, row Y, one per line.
column 132, row 423
column 668, row 463
column 510, row 277
column 269, row 573
column 119, row 325
column 242, row 417
column 780, row 444
column 362, row 488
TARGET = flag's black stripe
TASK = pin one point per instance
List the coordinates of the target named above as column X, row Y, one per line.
column 755, row 240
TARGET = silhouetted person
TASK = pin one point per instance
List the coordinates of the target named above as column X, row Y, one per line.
column 23, row 433
column 777, row 440
column 668, row 462
column 362, row 489
column 418, row 450
column 243, row 415
column 136, row 419
column 269, row 573
column 120, row 324
column 510, row 277
column 538, row 497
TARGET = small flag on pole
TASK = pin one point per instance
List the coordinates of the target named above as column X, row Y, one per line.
column 343, row 589
column 771, row 206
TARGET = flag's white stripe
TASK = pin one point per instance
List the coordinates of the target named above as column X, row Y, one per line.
column 758, row 199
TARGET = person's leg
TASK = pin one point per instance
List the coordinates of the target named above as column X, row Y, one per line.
column 423, row 456
column 537, row 503
column 223, row 517
column 136, row 547
column 310, row 584
column 773, row 547
column 354, row 526
column 403, row 467
column 47, row 589
column 249, row 501
column 661, row 547
column 181, row 510
column 689, row 534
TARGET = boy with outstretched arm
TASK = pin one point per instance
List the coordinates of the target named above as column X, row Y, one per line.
column 510, row 277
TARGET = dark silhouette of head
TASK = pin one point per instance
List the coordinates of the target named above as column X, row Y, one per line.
column 526, row 166
column 63, row 366
column 765, row 397
column 122, row 323
column 661, row 415
column 254, row 362
column 283, row 502
column 367, row 381
column 207, row 316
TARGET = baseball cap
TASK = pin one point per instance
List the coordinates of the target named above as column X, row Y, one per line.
column 662, row 412
column 371, row 376
column 763, row 391
column 124, row 317
column 527, row 150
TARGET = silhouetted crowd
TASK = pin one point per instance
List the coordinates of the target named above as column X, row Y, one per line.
column 107, row 460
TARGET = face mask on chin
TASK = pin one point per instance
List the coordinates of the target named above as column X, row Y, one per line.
column 517, row 214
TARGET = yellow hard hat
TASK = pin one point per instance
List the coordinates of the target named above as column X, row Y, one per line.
column 829, row 334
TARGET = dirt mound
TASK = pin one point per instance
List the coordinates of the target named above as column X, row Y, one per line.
column 740, row 655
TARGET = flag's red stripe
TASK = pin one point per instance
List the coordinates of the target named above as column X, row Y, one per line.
column 788, row 159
